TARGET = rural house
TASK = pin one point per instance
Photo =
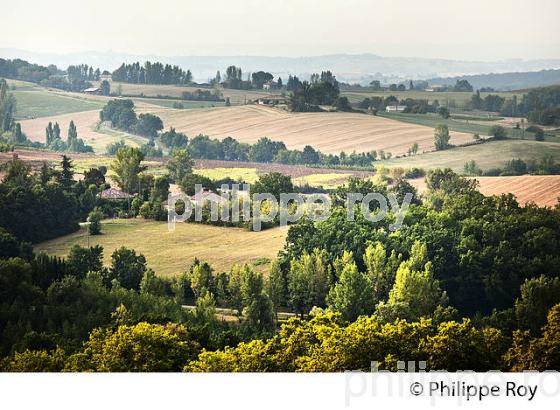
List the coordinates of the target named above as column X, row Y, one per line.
column 113, row 193
column 272, row 100
column 395, row 108
column 92, row 90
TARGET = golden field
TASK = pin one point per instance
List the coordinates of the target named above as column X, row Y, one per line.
column 170, row 253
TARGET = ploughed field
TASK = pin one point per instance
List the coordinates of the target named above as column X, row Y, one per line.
column 327, row 132
column 543, row 190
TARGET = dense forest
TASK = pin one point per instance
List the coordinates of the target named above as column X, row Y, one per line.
column 468, row 282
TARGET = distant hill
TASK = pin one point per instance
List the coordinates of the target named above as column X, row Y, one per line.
column 360, row 68
column 505, row 81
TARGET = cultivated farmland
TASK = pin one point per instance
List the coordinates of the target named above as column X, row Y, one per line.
column 35, row 101
column 176, row 91
column 544, row 190
column 328, row 132
column 87, row 125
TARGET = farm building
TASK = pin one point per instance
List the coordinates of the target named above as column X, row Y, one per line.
column 270, row 85
column 92, row 90
column 395, row 108
column 272, row 100
column 113, row 193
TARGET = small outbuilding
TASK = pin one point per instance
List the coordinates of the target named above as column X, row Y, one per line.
column 395, row 108
column 92, row 90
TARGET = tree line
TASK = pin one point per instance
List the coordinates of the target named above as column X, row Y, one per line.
column 151, row 73
column 265, row 150
column 18, row 69
column 11, row 134
column 54, row 142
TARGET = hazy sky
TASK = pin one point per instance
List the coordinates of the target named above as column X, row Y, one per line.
column 457, row 29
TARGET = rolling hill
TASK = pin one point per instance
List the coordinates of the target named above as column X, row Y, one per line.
column 328, row 132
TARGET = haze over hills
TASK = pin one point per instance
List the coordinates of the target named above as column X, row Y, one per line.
column 505, row 81
column 360, row 68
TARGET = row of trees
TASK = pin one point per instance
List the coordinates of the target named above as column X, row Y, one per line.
column 413, row 105
column 539, row 105
column 76, row 78
column 10, row 130
column 264, row 150
column 151, row 73
column 324, row 344
column 18, row 69
column 546, row 165
column 542, row 105
column 83, row 72
column 72, row 144
column 328, row 344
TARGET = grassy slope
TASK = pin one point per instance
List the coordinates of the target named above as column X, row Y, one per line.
column 455, row 124
column 170, row 253
column 442, row 97
column 168, row 102
column 40, row 103
column 487, row 155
